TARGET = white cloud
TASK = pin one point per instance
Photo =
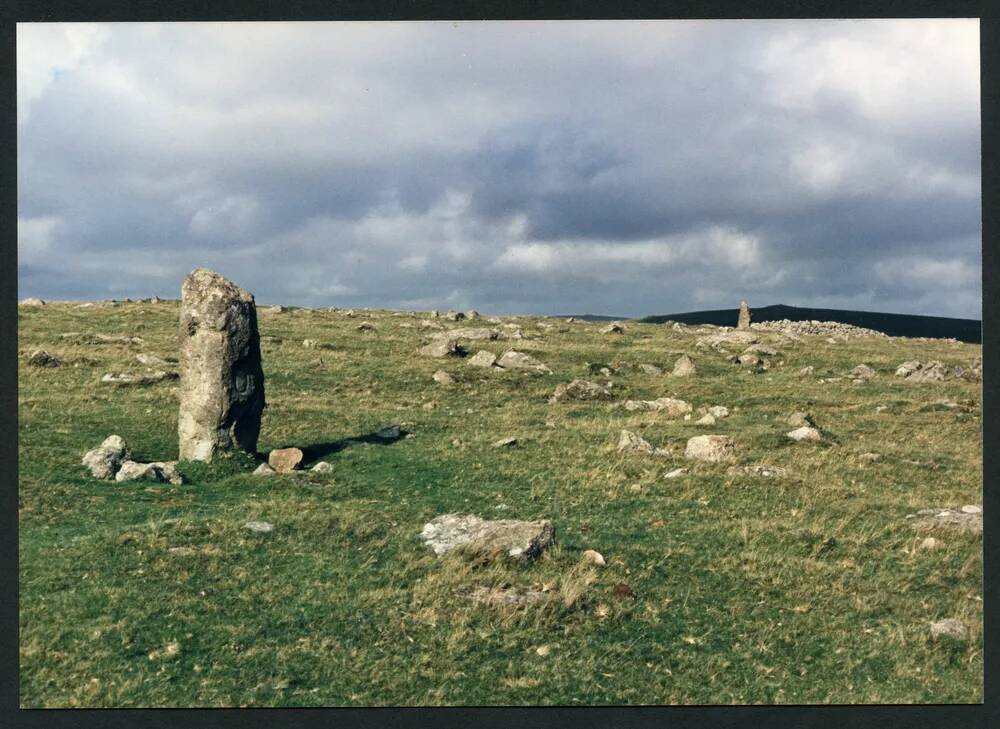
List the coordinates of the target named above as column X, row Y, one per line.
column 34, row 239
column 45, row 50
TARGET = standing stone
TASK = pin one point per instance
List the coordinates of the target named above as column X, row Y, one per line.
column 222, row 383
column 743, row 323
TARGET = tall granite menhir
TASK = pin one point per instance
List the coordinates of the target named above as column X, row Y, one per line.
column 222, row 383
column 743, row 321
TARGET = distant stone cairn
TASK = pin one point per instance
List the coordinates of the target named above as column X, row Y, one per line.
column 222, row 383
column 743, row 323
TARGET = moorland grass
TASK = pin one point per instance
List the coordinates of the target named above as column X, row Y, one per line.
column 810, row 588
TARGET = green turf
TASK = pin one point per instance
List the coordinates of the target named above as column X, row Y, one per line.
column 804, row 589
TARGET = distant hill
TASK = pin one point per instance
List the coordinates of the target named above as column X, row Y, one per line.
column 895, row 325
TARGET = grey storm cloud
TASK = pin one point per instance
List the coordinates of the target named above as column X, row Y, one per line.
column 626, row 168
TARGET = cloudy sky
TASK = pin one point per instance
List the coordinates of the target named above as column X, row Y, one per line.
column 625, row 168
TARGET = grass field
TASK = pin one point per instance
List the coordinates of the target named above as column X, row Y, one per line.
column 806, row 589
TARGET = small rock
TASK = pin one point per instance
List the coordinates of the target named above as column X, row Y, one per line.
column 471, row 314
column 593, row 557
column 482, row 359
column 443, row 378
column 365, row 326
column 710, row 448
column 613, row 328
column 260, row 527
column 264, row 470
column 949, row 519
column 158, row 472
column 705, row 419
column 748, row 360
column 475, row 333
column 453, row 315
column 629, row 442
column 807, row 371
column 31, row 301
column 649, row 369
column 671, row 406
column 389, row 433
column 931, row 543
column 41, row 358
column 949, row 628
column 676, row 473
column 869, row 457
column 972, row 509
column 683, row 367
column 804, row 433
column 322, row 467
column 505, row 443
column 800, row 420
column 442, row 347
column 862, row 372
column 285, row 460
column 512, row 360
column 718, row 411
column 126, row 379
column 105, row 460
column 581, row 390
column 522, row 540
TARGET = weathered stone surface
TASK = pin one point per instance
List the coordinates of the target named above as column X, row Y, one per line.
column 683, row 367
column 805, row 433
column 800, row 420
column 959, row 519
column 675, row 473
column 718, row 411
column 949, row 628
column 908, row 368
column 671, row 406
column 31, row 301
column 443, row 378
column 442, row 347
column 453, row 315
column 706, row 419
column 509, row 442
column 522, row 540
column 787, row 327
column 482, row 359
column 733, row 337
column 748, row 360
column 259, row 527
column 389, row 433
column 137, row 379
column 264, row 470
column 581, row 390
column 284, row 460
column 365, row 326
column 322, row 467
column 649, row 369
column 471, row 314
column 222, row 382
column 105, row 460
column 862, row 372
column 743, row 320
column 592, row 556
column 158, row 472
column 629, row 442
column 41, row 358
column 710, row 448
column 613, row 328
column 513, row 360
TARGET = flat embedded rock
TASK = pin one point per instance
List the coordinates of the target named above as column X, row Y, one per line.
column 473, row 333
column 41, row 358
column 157, row 472
column 949, row 628
column 443, row 378
column 683, row 367
column 285, row 460
column 968, row 518
column 629, row 442
column 522, row 540
column 482, row 359
column 505, row 443
column 259, row 527
column 264, row 470
column 137, row 379
column 613, row 328
column 649, row 369
column 710, row 448
column 322, row 467
column 442, row 347
column 672, row 407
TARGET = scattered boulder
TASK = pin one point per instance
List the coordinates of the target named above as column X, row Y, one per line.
column 453, row 315
column 706, row 419
column 522, row 540
column 935, row 371
column 41, row 358
column 683, row 367
column 322, row 467
column 949, row 628
column 674, row 408
column 594, row 557
column 389, row 433
column 748, row 360
column 31, row 301
column 629, row 442
column 581, row 390
column 718, row 411
column 285, row 460
column 264, row 470
column 649, row 369
column 800, row 420
column 442, row 347
column 797, row 328
column 365, row 326
column 471, row 314
column 613, row 328
column 133, row 379
column 158, row 472
column 443, row 378
column 222, row 381
column 862, row 372
column 483, row 359
column 105, row 460
column 512, row 360
column 710, row 448
column 805, row 433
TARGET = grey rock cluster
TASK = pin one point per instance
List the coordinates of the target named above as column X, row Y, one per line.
column 826, row 328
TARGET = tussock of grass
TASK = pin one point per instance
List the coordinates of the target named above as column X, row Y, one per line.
column 806, row 588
